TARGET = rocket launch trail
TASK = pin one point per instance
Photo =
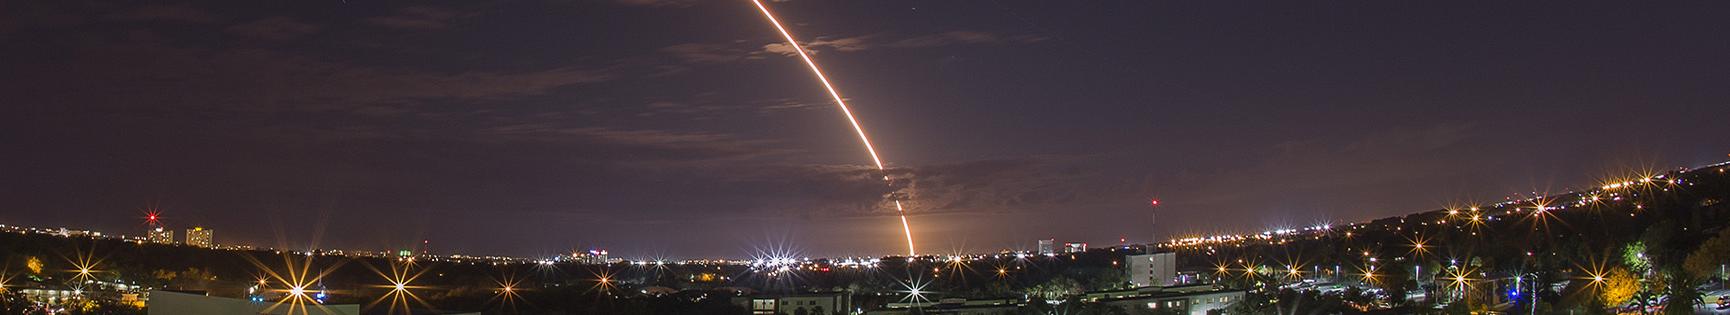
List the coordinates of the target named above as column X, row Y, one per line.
column 905, row 228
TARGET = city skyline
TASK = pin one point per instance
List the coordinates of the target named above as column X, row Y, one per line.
column 1584, row 196
column 534, row 127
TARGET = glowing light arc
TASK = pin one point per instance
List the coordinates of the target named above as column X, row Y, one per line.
column 839, row 102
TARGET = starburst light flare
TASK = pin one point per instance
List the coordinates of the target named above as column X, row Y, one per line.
column 400, row 279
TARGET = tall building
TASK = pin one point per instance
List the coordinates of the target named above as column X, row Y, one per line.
column 1048, row 247
column 1074, row 248
column 598, row 257
column 1152, row 270
column 200, row 237
column 159, row 235
column 593, row 256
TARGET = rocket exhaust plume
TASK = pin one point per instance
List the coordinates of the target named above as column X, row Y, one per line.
column 844, row 110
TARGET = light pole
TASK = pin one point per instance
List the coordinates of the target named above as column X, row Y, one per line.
column 1534, row 309
column 1418, row 274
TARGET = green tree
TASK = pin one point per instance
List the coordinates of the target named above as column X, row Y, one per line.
column 1634, row 256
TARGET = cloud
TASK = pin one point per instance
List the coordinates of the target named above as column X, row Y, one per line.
column 713, row 53
column 705, row 53
column 418, row 18
column 999, row 186
column 148, row 74
column 965, row 38
column 868, row 42
column 1040, row 183
column 789, row 104
column 708, row 143
column 844, row 44
column 693, row 110
column 658, row 3
column 1301, row 181
column 274, row 28
column 667, row 3
column 169, row 13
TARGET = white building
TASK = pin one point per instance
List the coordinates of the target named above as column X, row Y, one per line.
column 808, row 303
column 1152, row 270
column 1048, row 247
column 1192, row 300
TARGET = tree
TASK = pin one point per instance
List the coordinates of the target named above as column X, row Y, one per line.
column 1358, row 298
column 1665, row 245
column 1634, row 255
column 13, row 302
column 1619, row 286
column 34, row 264
column 192, row 279
column 1682, row 290
column 1709, row 257
column 1056, row 289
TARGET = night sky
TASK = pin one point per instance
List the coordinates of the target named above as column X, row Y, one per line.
column 681, row 128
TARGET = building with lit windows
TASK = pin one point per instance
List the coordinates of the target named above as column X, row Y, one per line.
column 952, row 306
column 810, row 303
column 1152, row 270
column 200, row 237
column 1048, row 247
column 1194, row 299
column 1074, row 248
column 159, row 235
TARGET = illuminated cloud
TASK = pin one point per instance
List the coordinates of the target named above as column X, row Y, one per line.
column 868, row 42
column 844, row 44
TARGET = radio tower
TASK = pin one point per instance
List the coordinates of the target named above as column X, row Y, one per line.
column 1153, row 220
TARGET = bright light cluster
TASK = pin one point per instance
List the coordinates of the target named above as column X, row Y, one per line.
column 1535, row 206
